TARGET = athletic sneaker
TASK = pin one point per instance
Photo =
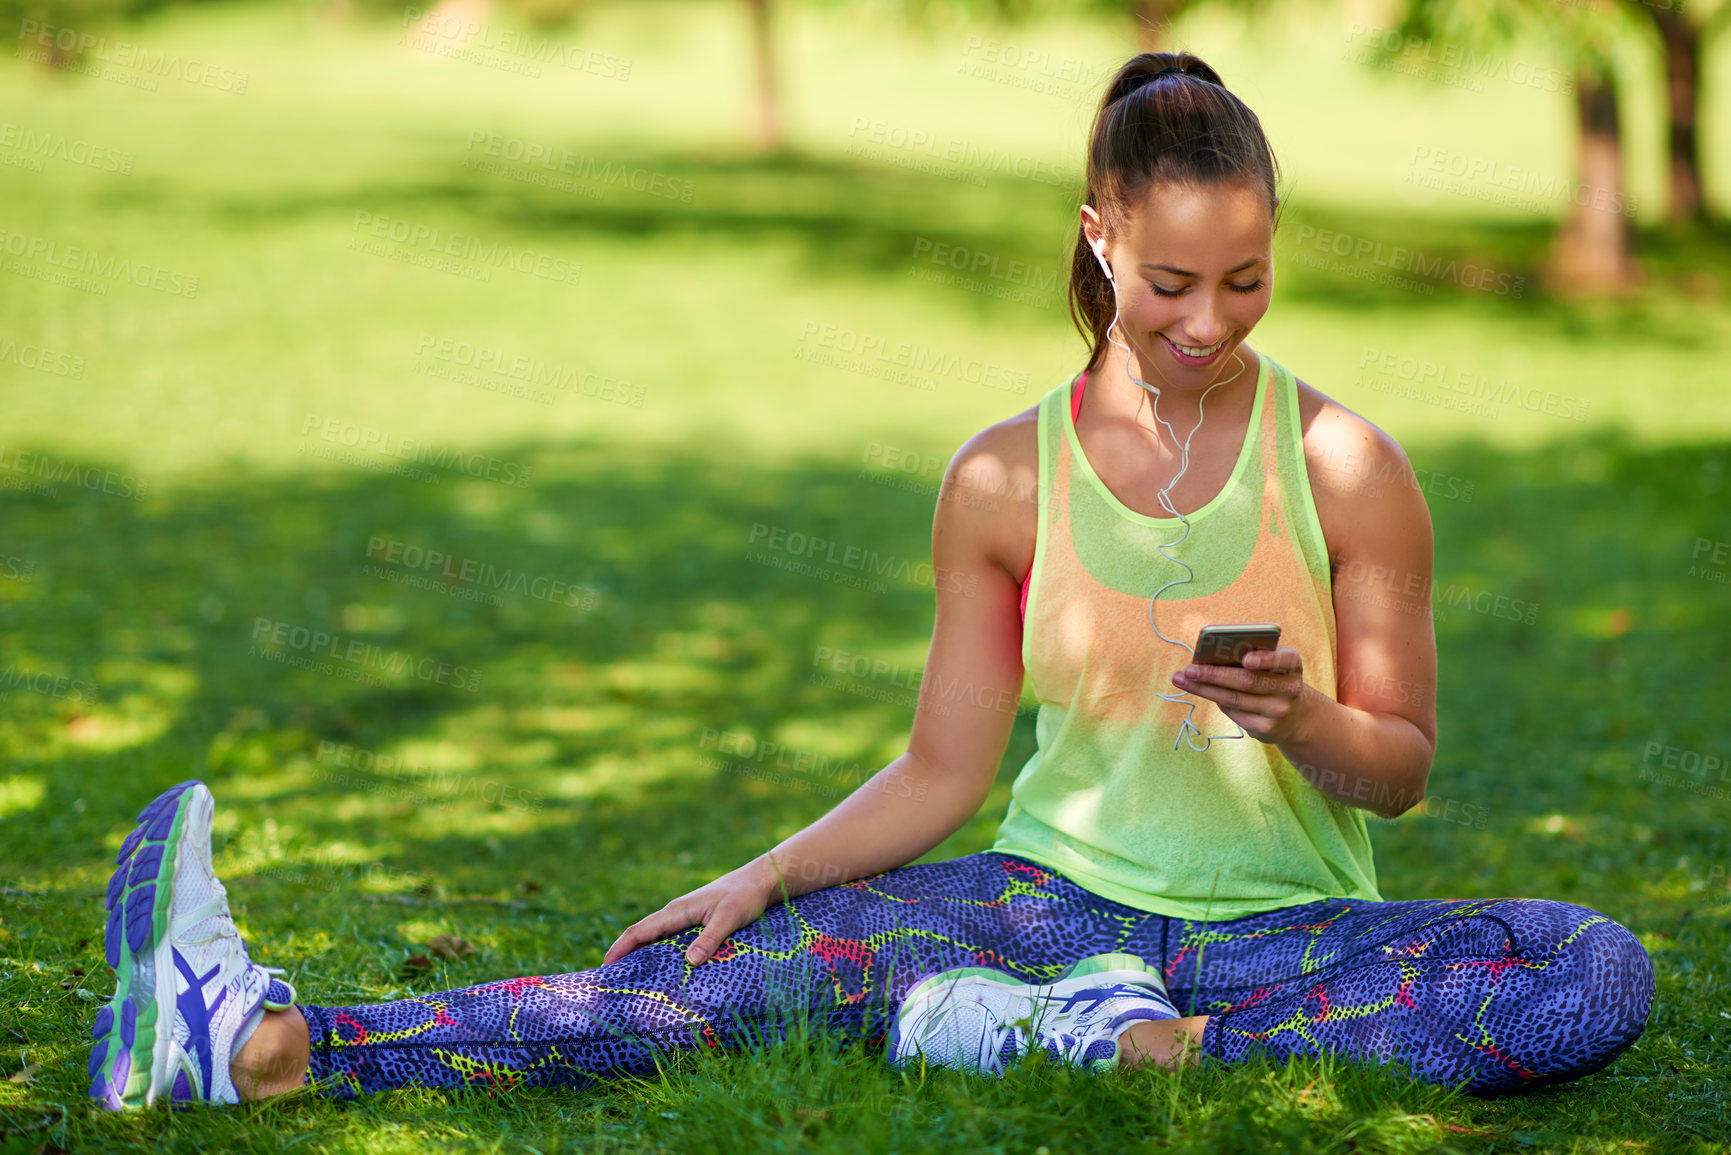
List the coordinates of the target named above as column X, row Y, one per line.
column 984, row 1020
column 186, row 997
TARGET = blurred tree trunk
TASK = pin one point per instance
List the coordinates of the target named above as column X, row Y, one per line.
column 769, row 132
column 1591, row 252
column 1682, row 42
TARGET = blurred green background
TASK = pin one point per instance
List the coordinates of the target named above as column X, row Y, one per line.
column 291, row 301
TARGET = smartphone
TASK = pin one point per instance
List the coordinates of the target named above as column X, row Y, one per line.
column 1227, row 645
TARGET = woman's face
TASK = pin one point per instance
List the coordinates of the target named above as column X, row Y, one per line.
column 1192, row 271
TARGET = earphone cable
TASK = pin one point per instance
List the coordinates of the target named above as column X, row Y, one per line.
column 1187, row 728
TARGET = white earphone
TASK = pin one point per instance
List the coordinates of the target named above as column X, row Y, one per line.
column 1187, row 727
column 1100, row 255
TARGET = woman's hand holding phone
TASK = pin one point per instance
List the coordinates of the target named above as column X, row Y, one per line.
column 1265, row 695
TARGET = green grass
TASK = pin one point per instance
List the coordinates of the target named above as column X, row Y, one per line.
column 595, row 719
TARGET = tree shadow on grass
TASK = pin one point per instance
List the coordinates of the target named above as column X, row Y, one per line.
column 622, row 729
column 608, row 717
column 852, row 219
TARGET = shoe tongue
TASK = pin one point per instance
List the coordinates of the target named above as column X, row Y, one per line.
column 1008, row 1051
column 279, row 996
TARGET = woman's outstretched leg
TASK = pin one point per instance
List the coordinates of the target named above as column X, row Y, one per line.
column 189, row 1002
column 840, row 958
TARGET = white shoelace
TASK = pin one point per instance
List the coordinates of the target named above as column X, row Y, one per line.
column 992, row 1045
column 1024, row 1029
column 216, row 911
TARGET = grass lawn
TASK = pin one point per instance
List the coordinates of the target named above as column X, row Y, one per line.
column 196, row 461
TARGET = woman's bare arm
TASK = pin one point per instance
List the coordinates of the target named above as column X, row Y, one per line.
column 967, row 703
column 1372, row 744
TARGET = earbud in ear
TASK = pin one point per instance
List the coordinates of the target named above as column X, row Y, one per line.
column 1100, row 255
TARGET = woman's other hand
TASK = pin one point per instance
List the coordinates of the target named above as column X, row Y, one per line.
column 721, row 907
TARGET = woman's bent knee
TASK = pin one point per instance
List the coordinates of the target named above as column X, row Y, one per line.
column 1597, row 1003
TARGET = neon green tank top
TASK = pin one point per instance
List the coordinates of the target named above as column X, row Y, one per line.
column 1105, row 799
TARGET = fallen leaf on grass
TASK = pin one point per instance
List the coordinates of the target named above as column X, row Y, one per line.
column 451, row 947
column 417, row 962
column 27, row 1075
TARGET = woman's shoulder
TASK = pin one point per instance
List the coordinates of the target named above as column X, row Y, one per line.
column 991, row 490
column 1363, row 485
column 1000, row 453
column 1347, row 454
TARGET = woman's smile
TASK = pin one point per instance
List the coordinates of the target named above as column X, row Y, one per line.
column 1195, row 354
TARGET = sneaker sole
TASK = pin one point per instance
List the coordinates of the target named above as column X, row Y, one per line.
column 1079, row 975
column 139, row 895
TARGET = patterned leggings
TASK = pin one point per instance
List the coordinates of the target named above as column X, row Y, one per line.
column 1499, row 993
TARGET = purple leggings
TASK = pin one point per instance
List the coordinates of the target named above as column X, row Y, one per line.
column 1499, row 994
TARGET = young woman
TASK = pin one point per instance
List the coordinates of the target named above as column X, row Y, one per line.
column 1184, row 868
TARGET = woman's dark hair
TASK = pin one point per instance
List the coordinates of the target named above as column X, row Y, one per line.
column 1165, row 117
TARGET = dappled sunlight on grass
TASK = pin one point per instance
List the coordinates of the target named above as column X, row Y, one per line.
column 644, row 703
column 607, row 762
column 20, row 793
